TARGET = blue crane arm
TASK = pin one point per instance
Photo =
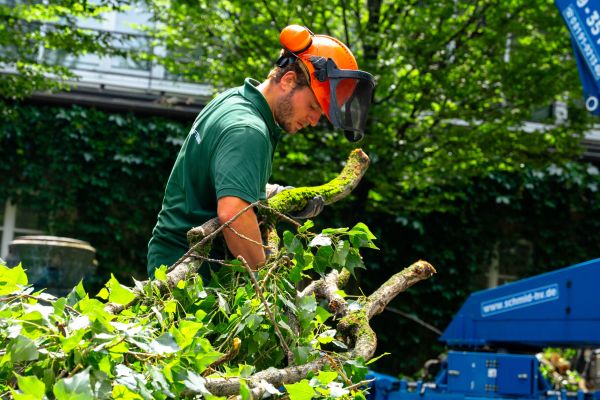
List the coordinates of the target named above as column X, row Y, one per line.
column 559, row 308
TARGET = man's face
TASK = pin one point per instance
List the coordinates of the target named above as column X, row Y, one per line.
column 297, row 109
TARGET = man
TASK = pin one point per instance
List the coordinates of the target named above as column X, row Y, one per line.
column 225, row 162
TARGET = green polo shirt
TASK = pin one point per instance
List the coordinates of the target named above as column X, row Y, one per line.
column 228, row 152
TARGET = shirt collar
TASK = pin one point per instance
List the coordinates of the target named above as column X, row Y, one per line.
column 251, row 92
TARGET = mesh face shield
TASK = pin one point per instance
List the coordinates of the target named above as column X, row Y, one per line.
column 351, row 93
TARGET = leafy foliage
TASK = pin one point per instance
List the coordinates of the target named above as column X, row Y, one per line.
column 456, row 80
column 437, row 189
column 168, row 346
column 96, row 176
column 33, row 35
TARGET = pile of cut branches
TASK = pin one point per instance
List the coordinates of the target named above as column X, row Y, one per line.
column 240, row 332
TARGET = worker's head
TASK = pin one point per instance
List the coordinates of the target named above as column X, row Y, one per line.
column 326, row 68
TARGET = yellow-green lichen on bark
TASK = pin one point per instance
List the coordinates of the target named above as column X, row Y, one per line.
column 332, row 191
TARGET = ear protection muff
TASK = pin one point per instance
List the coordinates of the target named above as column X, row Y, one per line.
column 296, row 38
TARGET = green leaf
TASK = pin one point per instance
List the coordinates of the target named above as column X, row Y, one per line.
column 185, row 333
column 301, row 354
column 372, row 360
column 327, row 336
column 122, row 392
column 73, row 340
column 322, row 314
column 75, row 388
column 334, row 231
column 307, row 225
column 363, row 228
column 300, row 391
column 341, row 252
column 164, row 344
column 119, row 294
column 161, row 273
column 325, row 377
column 195, row 383
column 323, row 259
column 77, row 294
column 103, row 294
column 245, row 392
column 59, row 306
column 31, row 386
column 292, row 243
column 22, row 348
column 295, row 273
column 361, row 236
column 12, row 279
column 354, row 261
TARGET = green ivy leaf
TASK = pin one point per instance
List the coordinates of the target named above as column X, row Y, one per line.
column 164, row 344
column 300, row 391
column 292, row 243
column 354, row 261
column 11, row 279
column 363, row 228
column 245, row 392
column 322, row 315
column 361, row 236
column 161, row 273
column 78, row 293
column 327, row 336
column 31, row 387
column 301, row 354
column 75, row 388
column 341, row 252
column 334, row 231
column 307, row 225
column 119, row 294
column 122, row 392
column 22, row 348
column 325, row 377
column 323, row 259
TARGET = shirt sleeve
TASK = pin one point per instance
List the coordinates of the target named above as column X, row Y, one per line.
column 239, row 163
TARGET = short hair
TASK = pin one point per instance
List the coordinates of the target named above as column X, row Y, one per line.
column 302, row 77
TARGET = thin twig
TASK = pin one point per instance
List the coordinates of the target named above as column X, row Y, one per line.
column 248, row 239
column 336, row 366
column 211, row 235
column 280, row 215
column 359, row 384
column 267, row 309
column 268, row 274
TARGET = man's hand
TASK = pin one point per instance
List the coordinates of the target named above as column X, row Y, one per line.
column 242, row 235
column 312, row 209
column 272, row 189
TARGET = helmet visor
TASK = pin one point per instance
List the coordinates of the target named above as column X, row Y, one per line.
column 351, row 93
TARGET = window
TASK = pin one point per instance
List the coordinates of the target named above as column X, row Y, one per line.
column 16, row 221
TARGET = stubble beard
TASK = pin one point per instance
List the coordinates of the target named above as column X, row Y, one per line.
column 284, row 111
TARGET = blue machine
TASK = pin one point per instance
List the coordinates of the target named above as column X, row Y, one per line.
column 556, row 309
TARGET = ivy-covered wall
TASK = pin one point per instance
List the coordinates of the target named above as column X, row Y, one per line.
column 90, row 175
column 100, row 177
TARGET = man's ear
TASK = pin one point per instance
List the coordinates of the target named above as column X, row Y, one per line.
column 288, row 81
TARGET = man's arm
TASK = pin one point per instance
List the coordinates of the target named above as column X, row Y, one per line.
column 247, row 225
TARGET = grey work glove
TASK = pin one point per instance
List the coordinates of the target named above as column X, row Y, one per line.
column 272, row 189
column 312, row 209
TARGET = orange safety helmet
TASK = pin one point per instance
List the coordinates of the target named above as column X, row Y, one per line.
column 343, row 92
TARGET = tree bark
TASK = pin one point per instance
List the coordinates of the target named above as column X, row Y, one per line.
column 355, row 325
